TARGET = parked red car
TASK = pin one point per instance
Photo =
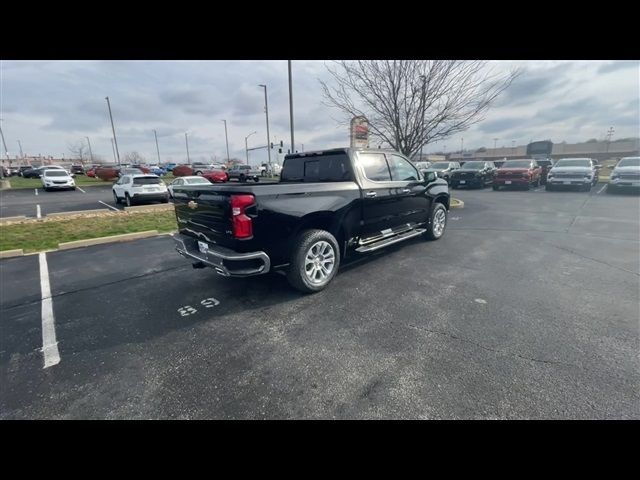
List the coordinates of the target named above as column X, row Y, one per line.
column 216, row 176
column 522, row 173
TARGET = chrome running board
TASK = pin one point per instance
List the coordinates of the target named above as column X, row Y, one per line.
column 390, row 241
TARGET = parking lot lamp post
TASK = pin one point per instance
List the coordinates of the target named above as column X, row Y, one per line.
column 20, row 145
column 113, row 128
column 226, row 138
column 291, row 106
column 157, row 148
column 186, row 141
column 90, row 152
column 266, row 111
column 246, row 146
column 114, row 151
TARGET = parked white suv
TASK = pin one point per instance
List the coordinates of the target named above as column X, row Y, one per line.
column 625, row 174
column 56, row 178
column 134, row 188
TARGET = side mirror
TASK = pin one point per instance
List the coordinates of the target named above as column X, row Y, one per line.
column 430, row 176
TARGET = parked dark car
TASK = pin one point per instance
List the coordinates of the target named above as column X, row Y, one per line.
column 443, row 169
column 517, row 173
column 473, row 174
column 243, row 173
column 328, row 205
column 23, row 168
column 32, row 172
column 77, row 169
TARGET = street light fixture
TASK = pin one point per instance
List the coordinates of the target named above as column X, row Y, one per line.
column 266, row 111
column 226, row 139
column 246, row 146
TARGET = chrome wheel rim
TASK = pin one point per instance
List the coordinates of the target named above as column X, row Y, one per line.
column 439, row 221
column 319, row 262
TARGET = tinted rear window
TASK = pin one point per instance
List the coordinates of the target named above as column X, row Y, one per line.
column 146, row 181
column 55, row 173
column 330, row 167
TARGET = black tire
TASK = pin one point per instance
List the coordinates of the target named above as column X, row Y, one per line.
column 166, row 199
column 296, row 274
column 128, row 200
column 496, row 187
column 241, row 178
column 587, row 187
column 46, row 189
column 257, row 179
column 116, row 199
column 433, row 233
column 198, row 173
column 548, row 187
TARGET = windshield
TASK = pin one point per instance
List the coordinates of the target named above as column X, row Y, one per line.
column 194, row 181
column 580, row 162
column 629, row 162
column 55, row 173
column 440, row 166
column 516, row 164
column 473, row 165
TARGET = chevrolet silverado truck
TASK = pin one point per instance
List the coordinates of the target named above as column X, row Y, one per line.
column 573, row 172
column 328, row 205
column 521, row 173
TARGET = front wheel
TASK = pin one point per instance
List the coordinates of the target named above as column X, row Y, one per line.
column 257, row 179
column 548, row 187
column 128, row 200
column 165, row 199
column 495, row 187
column 116, row 200
column 437, row 222
column 314, row 261
column 241, row 179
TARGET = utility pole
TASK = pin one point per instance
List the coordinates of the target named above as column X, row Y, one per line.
column 290, row 106
column 246, row 146
column 227, row 140
column 424, row 79
column 303, row 147
column 90, row 152
column 157, row 148
column 115, row 141
column 513, row 147
column 495, row 140
column 187, row 144
column 20, row 145
column 610, row 133
column 266, row 111
column 461, row 146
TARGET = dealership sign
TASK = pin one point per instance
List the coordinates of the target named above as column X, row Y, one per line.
column 359, row 132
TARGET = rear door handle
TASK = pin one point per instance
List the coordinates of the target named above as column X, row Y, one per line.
column 406, row 190
column 370, row 194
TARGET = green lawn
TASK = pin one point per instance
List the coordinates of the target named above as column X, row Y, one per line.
column 35, row 236
column 81, row 181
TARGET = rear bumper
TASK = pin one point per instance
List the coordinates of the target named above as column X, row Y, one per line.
column 224, row 261
column 150, row 196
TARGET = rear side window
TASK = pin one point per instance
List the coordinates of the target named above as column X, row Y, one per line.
column 332, row 167
column 146, row 181
column 375, row 167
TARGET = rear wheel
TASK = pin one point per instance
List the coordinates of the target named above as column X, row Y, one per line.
column 128, row 200
column 257, row 179
column 314, row 261
column 437, row 222
column 241, row 179
column 496, row 187
column 548, row 187
column 165, row 199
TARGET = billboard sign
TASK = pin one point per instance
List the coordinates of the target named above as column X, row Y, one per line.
column 359, row 132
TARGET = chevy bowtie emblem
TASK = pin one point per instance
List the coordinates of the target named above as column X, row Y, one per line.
column 192, row 205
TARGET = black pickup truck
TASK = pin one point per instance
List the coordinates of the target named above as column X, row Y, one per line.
column 327, row 205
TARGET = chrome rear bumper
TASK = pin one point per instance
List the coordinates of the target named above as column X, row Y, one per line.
column 224, row 261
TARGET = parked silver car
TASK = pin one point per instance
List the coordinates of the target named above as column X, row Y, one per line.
column 625, row 174
column 573, row 172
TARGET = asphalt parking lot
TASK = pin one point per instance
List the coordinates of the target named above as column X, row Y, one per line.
column 526, row 308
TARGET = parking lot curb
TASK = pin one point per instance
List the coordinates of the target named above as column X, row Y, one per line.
column 111, row 239
column 455, row 203
column 5, row 184
column 11, row 253
column 149, row 208
column 19, row 218
column 79, row 212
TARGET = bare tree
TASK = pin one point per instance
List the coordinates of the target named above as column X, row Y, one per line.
column 411, row 103
column 79, row 151
column 134, row 158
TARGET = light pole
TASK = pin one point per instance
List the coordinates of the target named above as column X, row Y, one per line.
column 246, row 146
column 227, row 140
column 495, row 140
column 290, row 107
column 20, row 145
column 266, row 111
column 303, row 147
column 186, row 141
column 114, row 151
column 115, row 140
column 609, row 135
column 90, row 152
column 157, row 148
column 513, row 147
column 461, row 146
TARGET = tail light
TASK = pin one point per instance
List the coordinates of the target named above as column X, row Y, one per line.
column 242, row 224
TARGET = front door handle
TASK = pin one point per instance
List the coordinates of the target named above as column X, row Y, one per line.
column 406, row 190
column 370, row 194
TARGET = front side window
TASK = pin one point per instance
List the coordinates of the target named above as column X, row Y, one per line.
column 401, row 169
column 375, row 167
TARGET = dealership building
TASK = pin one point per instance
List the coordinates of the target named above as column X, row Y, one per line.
column 599, row 151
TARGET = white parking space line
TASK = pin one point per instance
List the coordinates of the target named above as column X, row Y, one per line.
column 49, row 342
column 81, row 190
column 602, row 189
column 36, row 192
column 107, row 205
column 38, row 214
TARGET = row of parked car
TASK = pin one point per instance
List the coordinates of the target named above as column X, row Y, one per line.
column 582, row 173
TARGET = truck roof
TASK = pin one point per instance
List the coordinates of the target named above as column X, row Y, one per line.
column 336, row 150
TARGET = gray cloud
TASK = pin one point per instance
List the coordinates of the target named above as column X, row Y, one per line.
column 619, row 65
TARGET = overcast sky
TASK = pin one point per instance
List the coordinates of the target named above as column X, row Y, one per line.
column 48, row 104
